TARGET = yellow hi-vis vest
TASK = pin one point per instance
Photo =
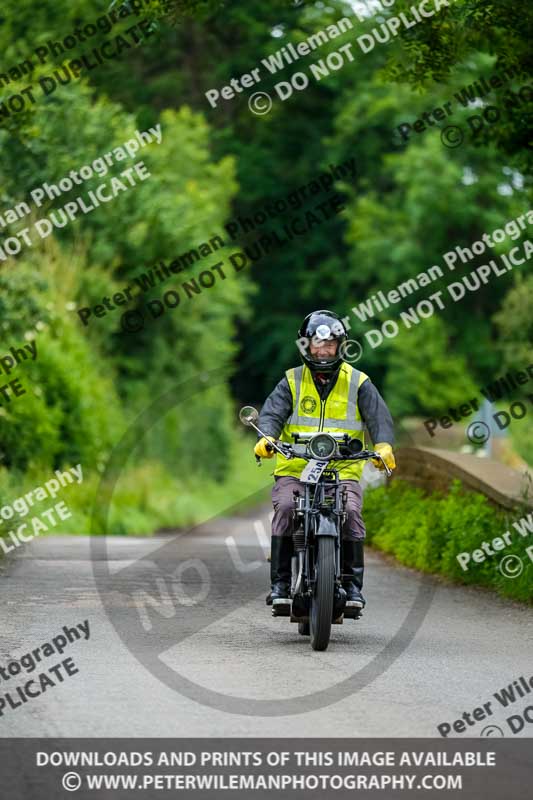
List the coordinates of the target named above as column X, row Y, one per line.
column 339, row 413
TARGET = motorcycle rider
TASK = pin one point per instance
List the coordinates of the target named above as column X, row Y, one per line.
column 326, row 394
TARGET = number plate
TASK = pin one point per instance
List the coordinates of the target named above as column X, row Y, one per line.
column 312, row 471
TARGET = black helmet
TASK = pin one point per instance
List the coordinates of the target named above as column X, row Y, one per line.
column 321, row 325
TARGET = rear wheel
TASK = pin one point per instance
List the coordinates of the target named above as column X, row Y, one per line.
column 303, row 628
column 322, row 601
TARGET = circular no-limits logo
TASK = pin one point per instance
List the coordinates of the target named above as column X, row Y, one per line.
column 308, row 404
column 168, row 595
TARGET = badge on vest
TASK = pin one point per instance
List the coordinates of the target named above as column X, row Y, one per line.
column 308, row 404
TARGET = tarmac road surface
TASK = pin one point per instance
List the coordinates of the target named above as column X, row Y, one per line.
column 182, row 644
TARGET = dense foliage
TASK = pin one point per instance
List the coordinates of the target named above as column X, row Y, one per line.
column 428, row 532
column 410, row 202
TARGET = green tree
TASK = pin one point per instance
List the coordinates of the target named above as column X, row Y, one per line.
column 425, row 373
column 515, row 324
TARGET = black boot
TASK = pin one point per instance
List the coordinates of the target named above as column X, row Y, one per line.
column 352, row 570
column 280, row 568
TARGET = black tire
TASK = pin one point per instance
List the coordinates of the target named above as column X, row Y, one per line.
column 321, row 613
column 303, row 628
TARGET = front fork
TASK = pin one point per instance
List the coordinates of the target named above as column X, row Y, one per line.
column 301, row 581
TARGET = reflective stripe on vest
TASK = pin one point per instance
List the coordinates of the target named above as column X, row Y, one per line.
column 347, row 423
column 340, row 410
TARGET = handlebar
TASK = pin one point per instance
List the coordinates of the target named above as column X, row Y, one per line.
column 287, row 451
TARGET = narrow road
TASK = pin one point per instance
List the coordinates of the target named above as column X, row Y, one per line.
column 182, row 644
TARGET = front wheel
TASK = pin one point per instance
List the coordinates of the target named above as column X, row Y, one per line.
column 322, row 602
column 303, row 628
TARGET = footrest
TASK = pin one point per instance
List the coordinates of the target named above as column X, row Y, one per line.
column 298, row 619
column 281, row 607
column 353, row 609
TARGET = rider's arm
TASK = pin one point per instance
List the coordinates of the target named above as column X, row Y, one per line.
column 375, row 413
column 276, row 409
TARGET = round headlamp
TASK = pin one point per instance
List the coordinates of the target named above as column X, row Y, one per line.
column 322, row 446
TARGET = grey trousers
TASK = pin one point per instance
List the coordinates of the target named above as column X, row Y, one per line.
column 283, row 502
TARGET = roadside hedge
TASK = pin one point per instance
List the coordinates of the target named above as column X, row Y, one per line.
column 428, row 531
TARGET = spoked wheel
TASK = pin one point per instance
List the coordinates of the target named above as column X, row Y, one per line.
column 322, row 600
column 303, row 628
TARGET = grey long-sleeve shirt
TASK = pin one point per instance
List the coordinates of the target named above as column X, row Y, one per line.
column 373, row 409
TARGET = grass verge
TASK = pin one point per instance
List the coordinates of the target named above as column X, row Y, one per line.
column 429, row 531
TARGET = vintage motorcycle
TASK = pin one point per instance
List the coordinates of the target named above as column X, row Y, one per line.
column 317, row 599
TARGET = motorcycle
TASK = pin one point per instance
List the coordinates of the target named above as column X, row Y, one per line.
column 317, row 599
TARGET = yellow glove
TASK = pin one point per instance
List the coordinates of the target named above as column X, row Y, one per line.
column 261, row 447
column 385, row 451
